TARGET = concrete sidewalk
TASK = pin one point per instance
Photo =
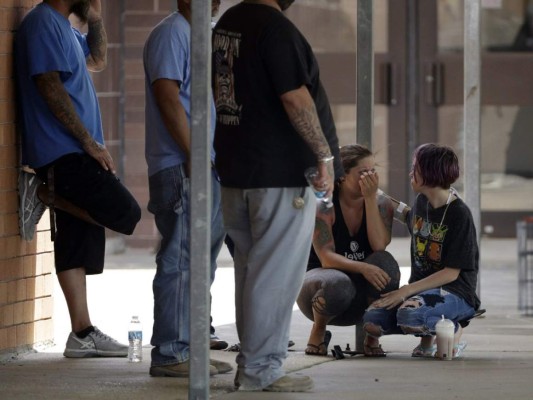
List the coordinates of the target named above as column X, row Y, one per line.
column 497, row 364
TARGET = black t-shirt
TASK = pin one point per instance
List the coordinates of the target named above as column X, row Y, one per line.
column 356, row 247
column 452, row 244
column 258, row 55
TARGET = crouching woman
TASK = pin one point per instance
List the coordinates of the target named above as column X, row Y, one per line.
column 444, row 258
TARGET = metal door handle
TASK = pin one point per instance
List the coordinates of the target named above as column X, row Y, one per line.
column 390, row 86
column 433, row 79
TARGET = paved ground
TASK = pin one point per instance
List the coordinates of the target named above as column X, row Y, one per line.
column 497, row 364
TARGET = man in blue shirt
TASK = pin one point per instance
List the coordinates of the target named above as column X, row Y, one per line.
column 168, row 152
column 62, row 140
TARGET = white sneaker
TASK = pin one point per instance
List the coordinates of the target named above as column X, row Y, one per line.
column 221, row 366
column 95, row 344
column 291, row 383
column 180, row 370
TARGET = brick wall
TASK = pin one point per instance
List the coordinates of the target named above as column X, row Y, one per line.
column 26, row 279
column 27, row 269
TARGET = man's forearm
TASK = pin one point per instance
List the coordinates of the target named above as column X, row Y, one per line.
column 306, row 123
column 173, row 114
column 302, row 113
column 56, row 97
column 97, row 42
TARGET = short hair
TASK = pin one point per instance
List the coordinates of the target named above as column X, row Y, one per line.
column 351, row 154
column 437, row 165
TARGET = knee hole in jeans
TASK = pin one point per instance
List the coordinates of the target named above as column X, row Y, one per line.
column 411, row 303
column 319, row 304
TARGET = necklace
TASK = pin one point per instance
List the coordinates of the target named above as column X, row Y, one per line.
column 445, row 210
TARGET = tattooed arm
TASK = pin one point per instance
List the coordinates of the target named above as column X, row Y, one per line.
column 96, row 38
column 301, row 110
column 56, row 97
column 323, row 242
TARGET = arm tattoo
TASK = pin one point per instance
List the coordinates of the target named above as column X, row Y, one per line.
column 322, row 233
column 306, row 123
column 386, row 212
column 97, row 42
column 56, row 97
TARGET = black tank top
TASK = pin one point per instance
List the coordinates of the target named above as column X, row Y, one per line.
column 356, row 247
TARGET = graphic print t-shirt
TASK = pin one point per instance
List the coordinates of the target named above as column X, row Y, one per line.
column 258, row 55
column 452, row 244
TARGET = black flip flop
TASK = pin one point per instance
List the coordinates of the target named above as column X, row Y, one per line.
column 324, row 344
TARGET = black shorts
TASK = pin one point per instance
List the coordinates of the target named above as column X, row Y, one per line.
column 81, row 180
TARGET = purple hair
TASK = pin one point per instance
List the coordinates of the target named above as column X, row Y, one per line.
column 437, row 165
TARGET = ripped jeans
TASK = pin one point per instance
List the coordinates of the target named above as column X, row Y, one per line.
column 432, row 305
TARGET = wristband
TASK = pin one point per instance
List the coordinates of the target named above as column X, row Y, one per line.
column 326, row 160
column 401, row 207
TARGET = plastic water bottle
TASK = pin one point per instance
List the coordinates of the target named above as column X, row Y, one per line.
column 135, row 337
column 311, row 174
column 400, row 212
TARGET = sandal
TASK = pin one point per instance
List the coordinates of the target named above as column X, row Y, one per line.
column 320, row 349
column 424, row 352
column 458, row 349
column 374, row 351
column 235, row 347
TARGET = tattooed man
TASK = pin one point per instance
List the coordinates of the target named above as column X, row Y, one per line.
column 273, row 122
column 62, row 140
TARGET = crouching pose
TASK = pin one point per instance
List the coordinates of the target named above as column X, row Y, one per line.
column 348, row 267
column 444, row 258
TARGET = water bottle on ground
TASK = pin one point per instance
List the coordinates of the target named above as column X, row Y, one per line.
column 135, row 337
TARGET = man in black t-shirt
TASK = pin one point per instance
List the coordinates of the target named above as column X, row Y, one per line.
column 273, row 122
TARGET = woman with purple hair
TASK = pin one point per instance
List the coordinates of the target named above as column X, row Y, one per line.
column 444, row 258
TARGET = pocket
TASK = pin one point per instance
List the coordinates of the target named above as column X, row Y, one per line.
column 169, row 191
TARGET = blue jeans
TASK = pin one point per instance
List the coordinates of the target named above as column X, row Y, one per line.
column 170, row 203
column 433, row 304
